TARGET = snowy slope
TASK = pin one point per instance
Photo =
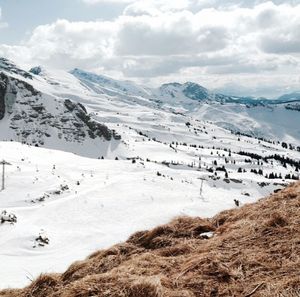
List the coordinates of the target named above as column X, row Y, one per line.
column 30, row 114
column 274, row 122
column 163, row 156
column 106, row 85
column 84, row 204
column 272, row 119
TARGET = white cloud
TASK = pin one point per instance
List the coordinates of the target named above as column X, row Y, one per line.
column 141, row 6
column 283, row 39
column 163, row 4
column 238, row 3
column 163, row 40
column 91, row 2
column 173, row 34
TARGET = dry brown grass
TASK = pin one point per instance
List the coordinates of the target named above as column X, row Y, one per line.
column 255, row 251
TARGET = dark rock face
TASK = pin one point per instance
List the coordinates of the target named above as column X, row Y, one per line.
column 196, row 92
column 34, row 118
column 12, row 68
column 3, row 88
column 94, row 128
column 31, row 91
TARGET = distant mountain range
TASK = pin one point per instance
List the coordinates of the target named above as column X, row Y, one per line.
column 189, row 90
column 58, row 108
column 197, row 92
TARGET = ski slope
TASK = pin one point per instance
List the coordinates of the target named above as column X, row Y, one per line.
column 74, row 191
column 106, row 201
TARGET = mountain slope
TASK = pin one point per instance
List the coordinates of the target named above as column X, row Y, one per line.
column 110, row 86
column 31, row 116
column 197, row 92
column 271, row 122
column 290, row 97
column 173, row 158
column 106, row 99
column 253, row 250
column 271, row 119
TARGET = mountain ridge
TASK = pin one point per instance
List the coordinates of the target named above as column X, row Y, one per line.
column 31, row 116
column 196, row 91
column 255, row 117
column 190, row 88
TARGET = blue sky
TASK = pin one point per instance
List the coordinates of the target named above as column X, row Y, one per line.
column 243, row 47
column 24, row 15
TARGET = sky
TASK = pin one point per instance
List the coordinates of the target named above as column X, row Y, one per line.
column 239, row 47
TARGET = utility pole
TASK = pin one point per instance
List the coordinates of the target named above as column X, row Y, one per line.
column 201, row 188
column 3, row 163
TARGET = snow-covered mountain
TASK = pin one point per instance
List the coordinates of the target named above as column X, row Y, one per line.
column 52, row 108
column 95, row 159
column 36, row 117
column 292, row 97
column 197, row 92
column 260, row 117
column 102, row 84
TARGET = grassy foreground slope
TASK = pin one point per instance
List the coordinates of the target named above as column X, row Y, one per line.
column 254, row 251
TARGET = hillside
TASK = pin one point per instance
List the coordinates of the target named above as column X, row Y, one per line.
column 82, row 112
column 30, row 114
column 249, row 251
column 150, row 148
column 121, row 158
column 85, row 204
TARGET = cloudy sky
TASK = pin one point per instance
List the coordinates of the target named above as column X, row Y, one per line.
column 244, row 47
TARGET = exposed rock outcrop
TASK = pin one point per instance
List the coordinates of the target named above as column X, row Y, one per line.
column 3, row 88
column 34, row 116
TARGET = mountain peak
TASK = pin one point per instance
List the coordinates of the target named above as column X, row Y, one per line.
column 172, row 84
column 295, row 96
column 193, row 84
column 195, row 91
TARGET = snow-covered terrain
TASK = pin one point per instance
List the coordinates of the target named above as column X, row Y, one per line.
column 95, row 159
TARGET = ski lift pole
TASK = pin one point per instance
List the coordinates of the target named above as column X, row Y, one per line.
column 201, row 188
column 3, row 163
